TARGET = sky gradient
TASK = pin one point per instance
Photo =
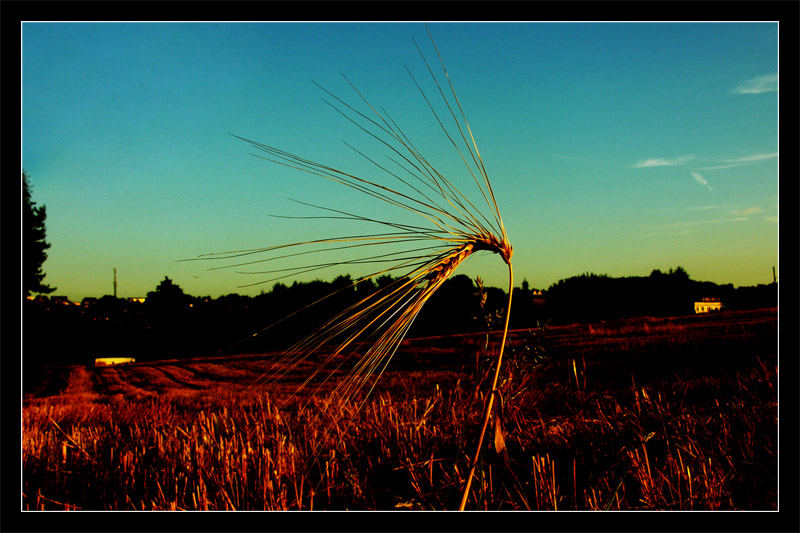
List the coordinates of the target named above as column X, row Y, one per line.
column 612, row 148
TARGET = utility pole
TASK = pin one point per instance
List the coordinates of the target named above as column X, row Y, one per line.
column 774, row 277
column 115, row 283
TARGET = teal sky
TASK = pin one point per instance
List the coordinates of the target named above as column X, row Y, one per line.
column 612, row 148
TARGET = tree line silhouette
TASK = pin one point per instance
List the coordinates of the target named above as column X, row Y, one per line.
column 171, row 323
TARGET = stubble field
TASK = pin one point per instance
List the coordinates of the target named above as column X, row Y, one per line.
column 645, row 413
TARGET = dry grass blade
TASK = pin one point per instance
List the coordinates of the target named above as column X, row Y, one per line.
column 363, row 338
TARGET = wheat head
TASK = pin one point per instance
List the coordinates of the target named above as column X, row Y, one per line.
column 449, row 229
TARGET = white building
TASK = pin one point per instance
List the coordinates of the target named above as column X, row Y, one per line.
column 108, row 361
column 707, row 305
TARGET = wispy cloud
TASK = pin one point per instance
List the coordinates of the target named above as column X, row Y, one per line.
column 719, row 167
column 729, row 214
column 684, row 227
column 705, row 207
column 693, row 223
column 646, row 163
column 572, row 158
column 736, row 212
column 701, row 180
column 759, row 84
column 670, row 233
column 694, row 208
column 740, row 161
column 751, row 158
column 747, row 211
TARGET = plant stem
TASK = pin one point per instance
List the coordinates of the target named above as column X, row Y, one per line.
column 488, row 414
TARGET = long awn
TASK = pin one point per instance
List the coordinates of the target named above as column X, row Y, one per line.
column 450, row 229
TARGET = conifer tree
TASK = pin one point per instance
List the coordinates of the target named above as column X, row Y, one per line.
column 34, row 245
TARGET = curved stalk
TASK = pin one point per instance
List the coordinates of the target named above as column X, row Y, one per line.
column 492, row 392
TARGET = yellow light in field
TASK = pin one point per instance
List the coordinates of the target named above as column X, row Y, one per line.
column 107, row 361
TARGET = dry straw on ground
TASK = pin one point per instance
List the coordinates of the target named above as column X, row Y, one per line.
column 449, row 228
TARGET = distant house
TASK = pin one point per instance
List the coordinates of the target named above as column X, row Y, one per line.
column 136, row 300
column 707, row 305
column 538, row 297
column 108, row 361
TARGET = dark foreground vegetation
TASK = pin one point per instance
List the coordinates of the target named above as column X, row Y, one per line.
column 644, row 413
